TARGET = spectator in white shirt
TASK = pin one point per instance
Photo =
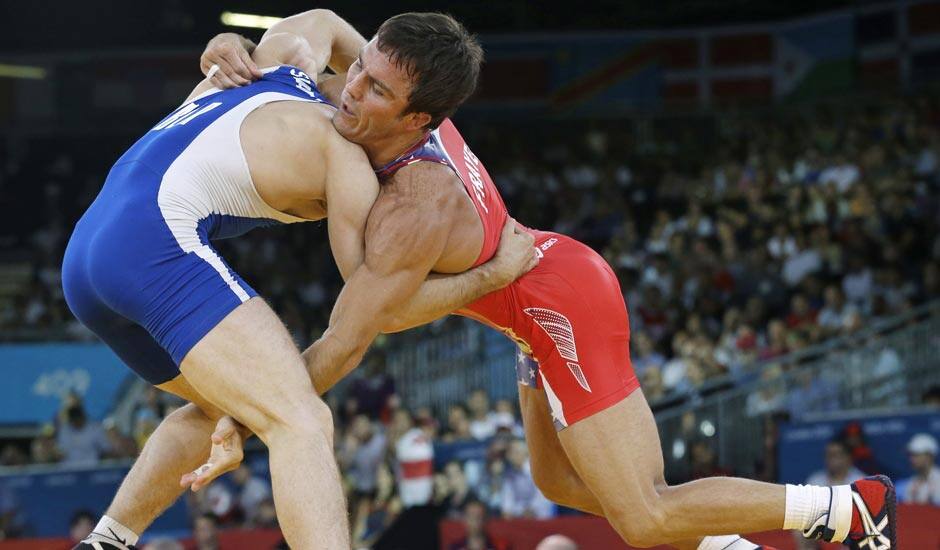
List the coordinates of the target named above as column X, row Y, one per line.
column 924, row 486
column 414, row 452
column 836, row 315
column 81, row 440
column 482, row 424
column 520, row 497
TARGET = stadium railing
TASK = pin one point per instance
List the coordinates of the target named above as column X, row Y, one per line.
column 886, row 365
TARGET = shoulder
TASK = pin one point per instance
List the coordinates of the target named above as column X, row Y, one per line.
column 341, row 154
column 424, row 179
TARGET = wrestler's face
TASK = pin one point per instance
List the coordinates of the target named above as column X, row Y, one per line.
column 374, row 99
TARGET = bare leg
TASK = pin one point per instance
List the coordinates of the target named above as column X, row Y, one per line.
column 249, row 368
column 178, row 445
column 552, row 471
column 618, row 456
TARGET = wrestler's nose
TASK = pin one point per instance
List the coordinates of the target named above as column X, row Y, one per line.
column 355, row 86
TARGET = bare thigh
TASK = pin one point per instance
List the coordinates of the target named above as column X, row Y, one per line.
column 249, row 368
column 180, row 387
column 617, row 454
column 552, row 471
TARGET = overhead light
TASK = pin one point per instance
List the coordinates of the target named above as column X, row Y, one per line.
column 248, row 20
column 22, row 71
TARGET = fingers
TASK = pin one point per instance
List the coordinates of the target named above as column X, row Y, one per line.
column 224, row 430
column 229, row 75
column 254, row 72
column 204, row 475
column 242, row 70
column 509, row 226
column 235, row 67
column 190, row 478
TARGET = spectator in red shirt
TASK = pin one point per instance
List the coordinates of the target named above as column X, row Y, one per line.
column 801, row 314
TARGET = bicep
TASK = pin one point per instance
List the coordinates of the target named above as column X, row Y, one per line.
column 403, row 241
column 351, row 189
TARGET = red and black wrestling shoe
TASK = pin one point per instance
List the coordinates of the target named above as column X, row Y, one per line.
column 874, row 515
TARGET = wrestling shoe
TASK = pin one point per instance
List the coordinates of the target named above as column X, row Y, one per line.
column 874, row 515
column 97, row 541
column 862, row 516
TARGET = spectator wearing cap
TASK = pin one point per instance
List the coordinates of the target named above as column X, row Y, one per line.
column 557, row 542
column 924, row 486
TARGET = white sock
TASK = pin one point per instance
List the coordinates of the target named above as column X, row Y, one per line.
column 726, row 542
column 112, row 528
column 807, row 503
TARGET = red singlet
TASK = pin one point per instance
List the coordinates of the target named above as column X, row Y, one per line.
column 567, row 315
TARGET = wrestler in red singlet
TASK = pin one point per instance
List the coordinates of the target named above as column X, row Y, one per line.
column 567, row 315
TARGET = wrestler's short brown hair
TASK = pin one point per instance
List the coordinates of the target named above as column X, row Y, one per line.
column 441, row 57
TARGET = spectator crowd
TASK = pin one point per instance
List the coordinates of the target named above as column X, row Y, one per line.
column 744, row 239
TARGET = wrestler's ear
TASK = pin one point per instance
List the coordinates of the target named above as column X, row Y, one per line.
column 417, row 121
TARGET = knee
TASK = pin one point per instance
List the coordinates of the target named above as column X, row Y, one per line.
column 642, row 528
column 190, row 413
column 549, row 483
column 561, row 486
column 302, row 417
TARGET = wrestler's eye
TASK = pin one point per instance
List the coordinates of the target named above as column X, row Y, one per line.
column 378, row 91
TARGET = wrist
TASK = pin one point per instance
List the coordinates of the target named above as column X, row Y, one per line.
column 492, row 278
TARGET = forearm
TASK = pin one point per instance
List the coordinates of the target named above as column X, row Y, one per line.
column 331, row 358
column 441, row 295
column 323, row 28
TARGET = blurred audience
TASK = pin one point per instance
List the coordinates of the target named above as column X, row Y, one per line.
column 520, row 497
column 250, row 492
column 924, row 486
column 475, row 515
column 163, row 544
column 205, row 533
column 838, row 466
column 79, row 439
column 81, row 525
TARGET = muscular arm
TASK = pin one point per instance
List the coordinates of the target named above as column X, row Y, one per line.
column 324, row 31
column 441, row 294
column 275, row 49
column 322, row 39
column 351, row 190
column 406, row 234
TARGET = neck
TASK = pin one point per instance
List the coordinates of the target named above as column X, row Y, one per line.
column 386, row 150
